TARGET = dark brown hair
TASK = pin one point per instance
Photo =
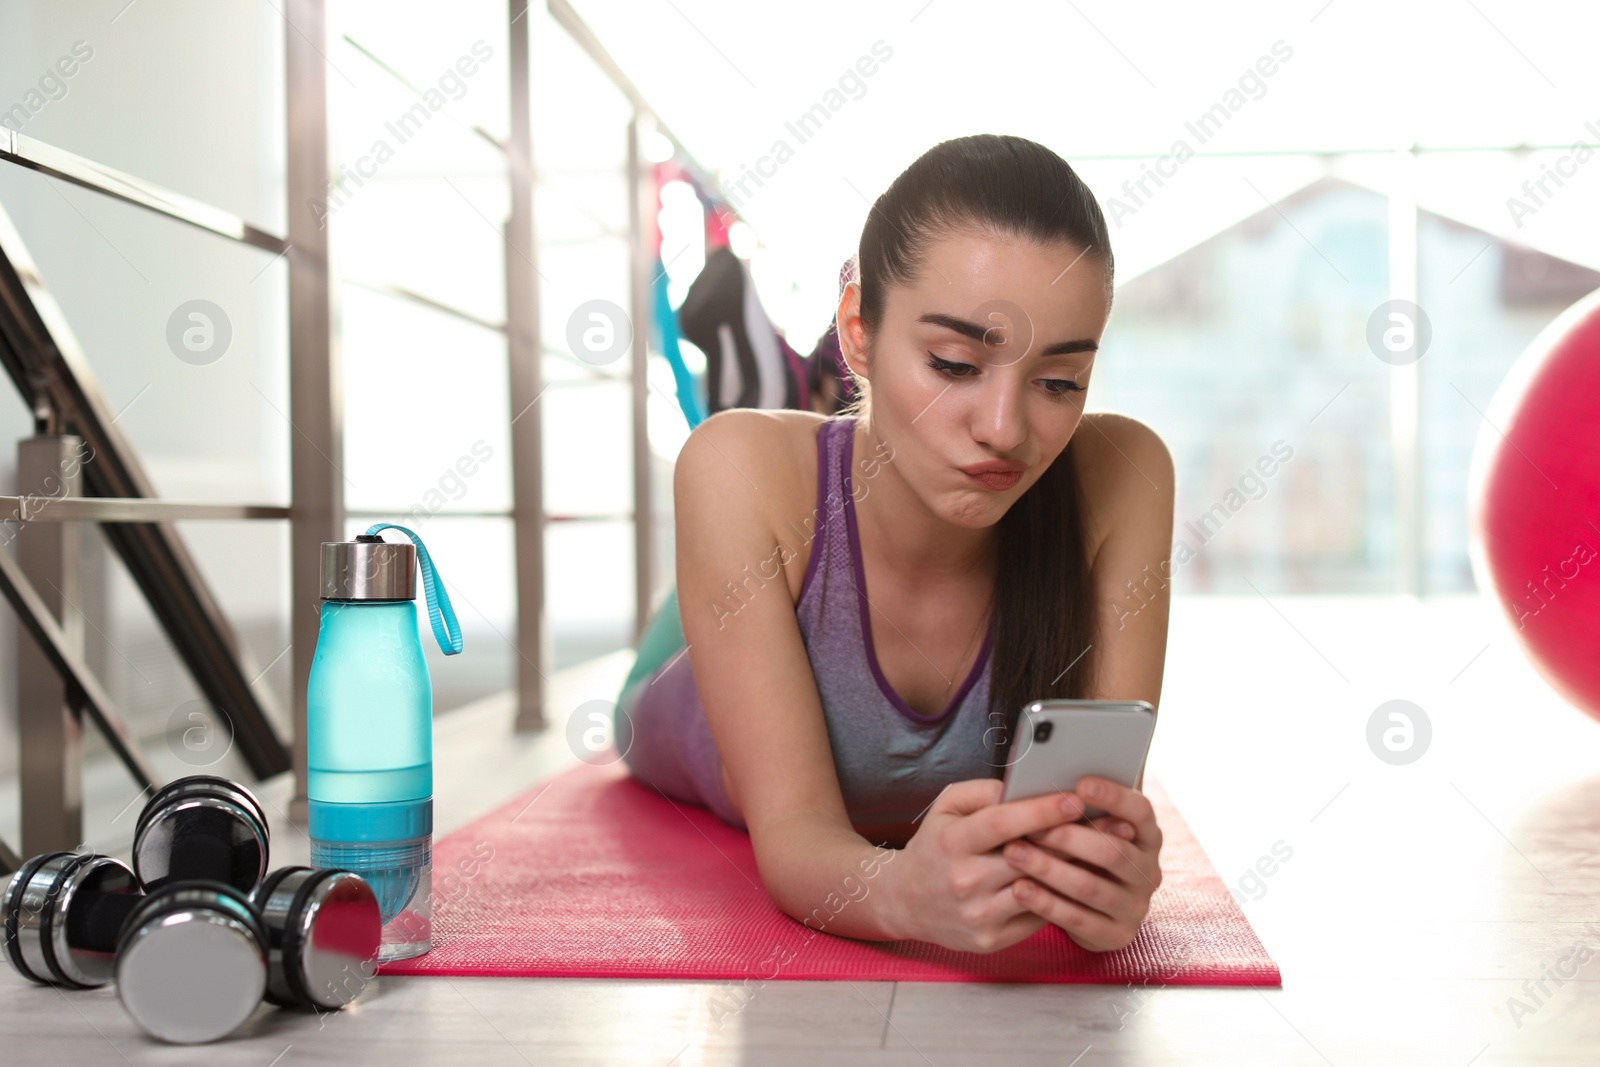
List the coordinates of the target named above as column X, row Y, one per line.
column 1042, row 596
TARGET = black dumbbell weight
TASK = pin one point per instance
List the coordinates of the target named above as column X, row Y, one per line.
column 201, row 827
column 62, row 912
column 192, row 961
column 326, row 929
column 195, row 958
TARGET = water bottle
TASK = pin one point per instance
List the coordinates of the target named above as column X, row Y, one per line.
column 369, row 728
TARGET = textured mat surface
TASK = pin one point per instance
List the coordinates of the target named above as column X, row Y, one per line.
column 593, row 874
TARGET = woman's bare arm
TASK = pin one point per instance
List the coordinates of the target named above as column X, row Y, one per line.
column 1134, row 489
column 736, row 477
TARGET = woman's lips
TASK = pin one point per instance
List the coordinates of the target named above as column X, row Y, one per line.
column 996, row 480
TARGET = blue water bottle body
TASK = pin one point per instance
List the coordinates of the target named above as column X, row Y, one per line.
column 369, row 747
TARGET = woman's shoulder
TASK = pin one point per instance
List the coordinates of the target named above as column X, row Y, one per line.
column 770, row 450
column 742, row 479
column 1113, row 432
column 1126, row 472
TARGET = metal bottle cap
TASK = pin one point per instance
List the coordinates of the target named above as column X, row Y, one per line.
column 325, row 929
column 202, row 826
column 38, row 905
column 368, row 568
column 192, row 962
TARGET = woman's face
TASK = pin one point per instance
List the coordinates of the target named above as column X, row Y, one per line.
column 985, row 358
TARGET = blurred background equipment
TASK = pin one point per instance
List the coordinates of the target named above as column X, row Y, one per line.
column 1536, row 503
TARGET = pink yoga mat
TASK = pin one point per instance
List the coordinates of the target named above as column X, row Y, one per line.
column 596, row 875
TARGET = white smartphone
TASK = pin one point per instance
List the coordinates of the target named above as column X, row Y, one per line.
column 1060, row 741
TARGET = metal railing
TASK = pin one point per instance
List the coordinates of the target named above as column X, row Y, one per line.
column 49, row 370
column 74, row 427
column 78, row 445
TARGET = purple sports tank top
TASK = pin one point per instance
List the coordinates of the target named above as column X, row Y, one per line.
column 892, row 762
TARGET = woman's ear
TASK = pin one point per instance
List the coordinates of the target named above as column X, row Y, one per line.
column 852, row 331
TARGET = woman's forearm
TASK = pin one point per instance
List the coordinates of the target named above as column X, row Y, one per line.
column 831, row 878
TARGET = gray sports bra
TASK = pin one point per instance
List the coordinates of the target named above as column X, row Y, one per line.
column 892, row 762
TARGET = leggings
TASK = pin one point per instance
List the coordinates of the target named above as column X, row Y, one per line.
column 660, row 725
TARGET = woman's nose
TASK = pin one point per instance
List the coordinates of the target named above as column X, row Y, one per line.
column 999, row 419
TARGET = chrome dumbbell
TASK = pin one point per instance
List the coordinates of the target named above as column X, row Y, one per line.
column 62, row 913
column 202, row 827
column 326, row 928
column 63, row 910
column 191, row 961
column 195, row 958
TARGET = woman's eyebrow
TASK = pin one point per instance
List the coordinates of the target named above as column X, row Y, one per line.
column 976, row 331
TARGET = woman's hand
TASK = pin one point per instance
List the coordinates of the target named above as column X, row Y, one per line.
column 1101, row 905
column 953, row 885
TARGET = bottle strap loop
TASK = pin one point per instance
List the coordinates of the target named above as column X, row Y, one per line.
column 446, row 630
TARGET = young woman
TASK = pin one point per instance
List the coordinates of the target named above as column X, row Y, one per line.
column 868, row 600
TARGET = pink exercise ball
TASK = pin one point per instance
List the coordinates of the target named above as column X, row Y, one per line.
column 1535, row 501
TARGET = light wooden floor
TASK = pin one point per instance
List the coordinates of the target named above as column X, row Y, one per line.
column 1417, row 899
